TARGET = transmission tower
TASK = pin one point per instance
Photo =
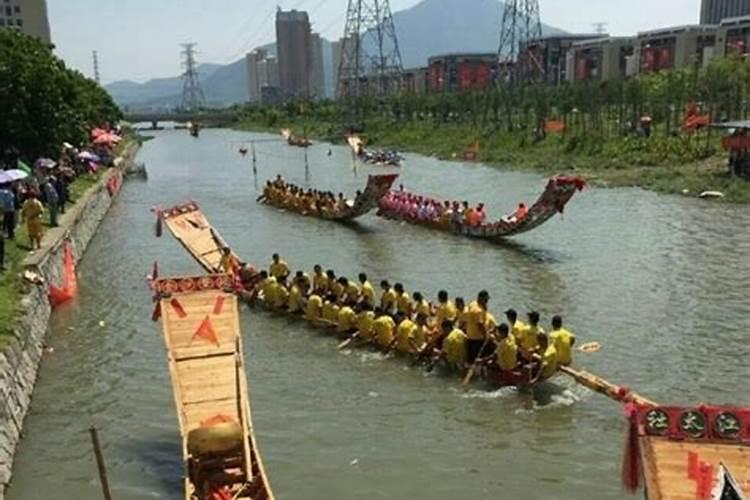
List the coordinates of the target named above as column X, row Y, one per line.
column 521, row 23
column 97, row 78
column 192, row 94
column 370, row 58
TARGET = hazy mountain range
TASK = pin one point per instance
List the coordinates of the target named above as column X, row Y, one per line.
column 429, row 28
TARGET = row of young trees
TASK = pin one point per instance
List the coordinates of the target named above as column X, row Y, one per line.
column 42, row 102
column 603, row 109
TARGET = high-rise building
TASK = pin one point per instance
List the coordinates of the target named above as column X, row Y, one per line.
column 293, row 40
column 28, row 16
column 252, row 61
column 713, row 11
column 317, row 76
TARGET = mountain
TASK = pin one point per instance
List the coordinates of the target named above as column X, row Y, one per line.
column 430, row 28
column 434, row 27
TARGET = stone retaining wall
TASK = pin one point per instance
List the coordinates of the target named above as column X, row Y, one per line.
column 19, row 360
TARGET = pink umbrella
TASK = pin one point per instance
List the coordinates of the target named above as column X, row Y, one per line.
column 97, row 132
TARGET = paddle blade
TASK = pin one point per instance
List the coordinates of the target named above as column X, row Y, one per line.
column 590, row 347
column 469, row 375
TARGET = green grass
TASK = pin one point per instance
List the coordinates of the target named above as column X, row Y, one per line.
column 675, row 165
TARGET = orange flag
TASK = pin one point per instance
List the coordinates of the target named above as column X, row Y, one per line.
column 206, row 332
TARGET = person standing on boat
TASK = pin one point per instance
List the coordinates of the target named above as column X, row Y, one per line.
column 476, row 326
column 563, row 340
column 517, row 327
column 278, row 268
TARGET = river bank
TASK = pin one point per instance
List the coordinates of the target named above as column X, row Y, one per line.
column 671, row 165
column 27, row 308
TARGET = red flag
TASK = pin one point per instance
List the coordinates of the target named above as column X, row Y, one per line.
column 206, row 332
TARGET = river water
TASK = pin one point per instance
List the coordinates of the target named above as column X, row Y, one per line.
column 661, row 282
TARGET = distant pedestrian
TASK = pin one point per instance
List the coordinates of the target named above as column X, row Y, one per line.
column 32, row 212
column 50, row 197
column 8, row 204
column 61, row 187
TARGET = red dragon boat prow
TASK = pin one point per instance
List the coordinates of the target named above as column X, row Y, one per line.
column 558, row 193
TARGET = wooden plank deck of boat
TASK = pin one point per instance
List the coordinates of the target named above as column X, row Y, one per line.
column 204, row 349
column 666, row 465
column 191, row 228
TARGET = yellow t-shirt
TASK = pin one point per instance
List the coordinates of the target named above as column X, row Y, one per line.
column 368, row 294
column 529, row 338
column 454, row 347
column 388, row 299
column 330, row 312
column 549, row 362
column 337, row 289
column 404, row 333
column 403, row 304
column 461, row 318
column 365, row 322
column 419, row 336
column 475, row 316
column 352, row 290
column 445, row 311
column 347, row 319
column 383, row 328
column 518, row 330
column 507, row 353
column 562, row 340
column 423, row 307
column 320, row 282
column 279, row 269
column 268, row 289
column 490, row 323
column 312, row 310
column 295, row 300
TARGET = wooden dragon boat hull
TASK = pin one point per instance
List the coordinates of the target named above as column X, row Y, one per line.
column 357, row 146
column 293, row 140
column 366, row 202
column 689, row 453
column 201, row 240
column 558, row 193
column 200, row 322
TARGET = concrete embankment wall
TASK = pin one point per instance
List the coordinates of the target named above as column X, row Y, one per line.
column 19, row 360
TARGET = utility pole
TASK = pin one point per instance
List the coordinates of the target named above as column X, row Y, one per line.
column 370, row 56
column 521, row 23
column 600, row 27
column 97, row 78
column 192, row 93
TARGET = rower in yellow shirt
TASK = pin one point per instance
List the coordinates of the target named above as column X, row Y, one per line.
column 476, row 326
column 383, row 328
column 281, row 294
column 351, row 291
column 388, row 299
column 547, row 363
column 420, row 305
column 330, row 310
column 445, row 309
column 529, row 336
column 517, row 327
column 404, row 334
column 423, row 333
column 267, row 288
column 320, row 281
column 279, row 268
column 347, row 320
column 302, row 279
column 506, row 354
column 563, row 340
column 334, row 286
column 460, row 313
column 367, row 291
column 294, row 303
column 454, row 346
column 403, row 300
column 313, row 308
column 365, row 322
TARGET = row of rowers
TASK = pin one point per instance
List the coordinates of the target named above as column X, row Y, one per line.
column 404, row 204
column 449, row 330
column 280, row 193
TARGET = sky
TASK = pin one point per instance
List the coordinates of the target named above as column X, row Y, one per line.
column 140, row 39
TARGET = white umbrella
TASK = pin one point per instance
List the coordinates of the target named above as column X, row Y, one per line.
column 89, row 156
column 44, row 163
column 12, row 175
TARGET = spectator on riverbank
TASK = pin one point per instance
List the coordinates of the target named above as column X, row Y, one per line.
column 61, row 187
column 32, row 212
column 8, row 206
column 51, row 200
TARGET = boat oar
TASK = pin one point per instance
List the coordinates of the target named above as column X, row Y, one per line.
column 477, row 362
column 598, row 384
column 347, row 342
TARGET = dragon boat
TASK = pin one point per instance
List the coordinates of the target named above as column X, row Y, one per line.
column 379, row 158
column 293, row 140
column 200, row 323
column 190, row 227
column 365, row 202
column 558, row 193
